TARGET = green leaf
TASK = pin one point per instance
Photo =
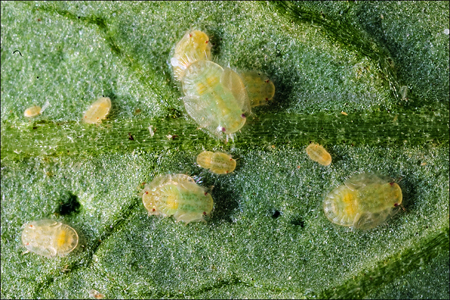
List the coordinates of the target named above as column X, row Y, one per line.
column 385, row 64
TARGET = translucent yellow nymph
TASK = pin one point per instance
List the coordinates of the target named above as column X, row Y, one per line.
column 193, row 46
column 178, row 195
column 260, row 88
column 318, row 153
column 217, row 162
column 32, row 111
column 49, row 238
column 97, row 111
column 363, row 202
column 215, row 98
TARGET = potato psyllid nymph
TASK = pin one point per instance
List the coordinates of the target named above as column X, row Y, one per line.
column 49, row 238
column 97, row 111
column 177, row 195
column 234, row 83
column 260, row 88
column 318, row 153
column 217, row 162
column 363, row 202
column 33, row 111
column 193, row 46
column 209, row 101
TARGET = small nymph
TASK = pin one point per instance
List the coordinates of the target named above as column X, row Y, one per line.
column 178, row 195
column 217, row 162
column 211, row 98
column 193, row 46
column 97, row 111
column 363, row 202
column 33, row 111
column 49, row 238
column 318, row 153
column 260, row 88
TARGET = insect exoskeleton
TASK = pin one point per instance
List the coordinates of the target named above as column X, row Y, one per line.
column 234, row 82
column 178, row 195
column 318, row 153
column 363, row 202
column 32, row 111
column 97, row 111
column 193, row 46
column 217, row 162
column 49, row 238
column 212, row 99
column 260, row 88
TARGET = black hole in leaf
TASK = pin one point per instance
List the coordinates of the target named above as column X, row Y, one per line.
column 69, row 204
column 276, row 214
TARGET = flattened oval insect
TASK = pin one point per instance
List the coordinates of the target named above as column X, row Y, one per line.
column 260, row 88
column 97, row 111
column 235, row 84
column 49, row 238
column 193, row 46
column 32, row 111
column 208, row 101
column 318, row 153
column 177, row 195
column 217, row 162
column 363, row 202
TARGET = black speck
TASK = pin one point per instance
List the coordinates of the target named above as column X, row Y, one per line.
column 130, row 137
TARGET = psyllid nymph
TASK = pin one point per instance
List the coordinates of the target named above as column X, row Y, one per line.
column 211, row 101
column 178, row 195
column 49, row 238
column 363, row 202
column 217, row 162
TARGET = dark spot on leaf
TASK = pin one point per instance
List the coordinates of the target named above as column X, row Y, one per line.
column 69, row 204
column 276, row 214
column 298, row 222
